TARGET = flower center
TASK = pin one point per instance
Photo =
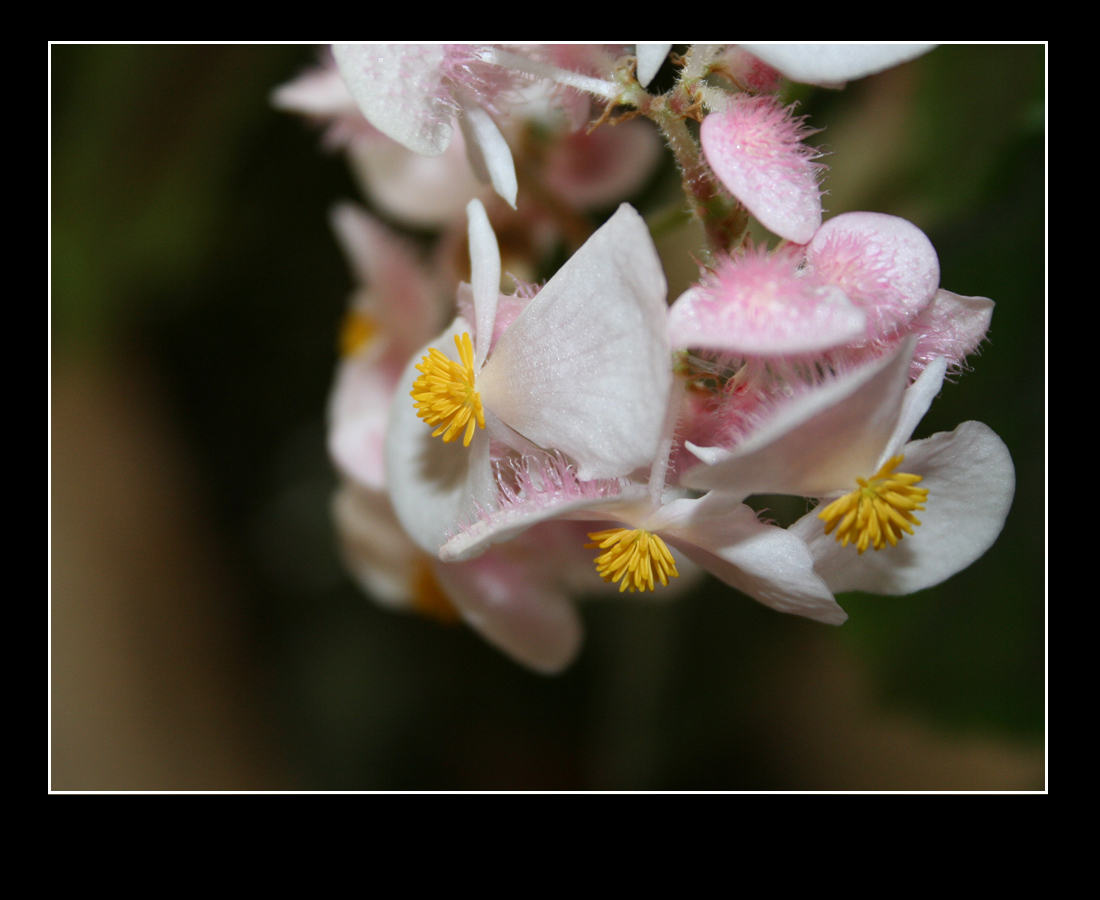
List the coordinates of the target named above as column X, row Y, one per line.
column 445, row 394
column 635, row 556
column 878, row 511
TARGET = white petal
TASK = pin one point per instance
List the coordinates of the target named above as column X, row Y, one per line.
column 915, row 403
column 484, row 276
column 585, row 368
column 650, row 59
column 970, row 480
column 833, row 64
column 433, row 485
column 490, row 156
column 818, row 443
column 530, row 618
column 769, row 564
column 398, row 87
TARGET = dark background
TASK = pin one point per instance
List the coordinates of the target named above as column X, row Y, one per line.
column 203, row 634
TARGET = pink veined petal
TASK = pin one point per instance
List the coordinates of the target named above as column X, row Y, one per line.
column 833, row 64
column 971, row 482
column 585, row 368
column 755, row 148
column 885, row 265
column 760, row 305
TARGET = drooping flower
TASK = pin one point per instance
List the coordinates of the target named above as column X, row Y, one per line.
column 840, row 441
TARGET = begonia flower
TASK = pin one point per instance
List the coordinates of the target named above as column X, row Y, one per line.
column 584, row 369
column 841, row 438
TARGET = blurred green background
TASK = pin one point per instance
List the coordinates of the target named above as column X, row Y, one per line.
column 203, row 633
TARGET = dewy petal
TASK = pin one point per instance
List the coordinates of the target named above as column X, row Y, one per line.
column 433, row 484
column 971, row 482
column 833, row 64
column 489, row 154
column 399, row 89
column 585, row 368
column 755, row 148
column 769, row 564
column 817, row 443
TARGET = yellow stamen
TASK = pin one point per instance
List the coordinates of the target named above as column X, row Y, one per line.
column 638, row 555
column 878, row 511
column 445, row 394
column 356, row 332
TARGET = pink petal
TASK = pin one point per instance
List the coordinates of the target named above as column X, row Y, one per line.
column 755, row 148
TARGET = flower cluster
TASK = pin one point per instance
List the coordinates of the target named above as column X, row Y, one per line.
column 504, row 453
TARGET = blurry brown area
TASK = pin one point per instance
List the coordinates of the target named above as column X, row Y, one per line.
column 149, row 661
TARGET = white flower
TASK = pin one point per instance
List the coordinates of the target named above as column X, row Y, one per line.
column 583, row 370
column 835, row 440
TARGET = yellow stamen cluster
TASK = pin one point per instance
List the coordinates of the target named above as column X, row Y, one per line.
column 636, row 554
column 878, row 511
column 445, row 394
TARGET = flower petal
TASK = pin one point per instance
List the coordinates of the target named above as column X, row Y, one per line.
column 585, row 368
column 817, row 443
column 517, row 608
column 833, row 64
column 489, row 154
column 771, row 565
column 755, row 148
column 399, row 89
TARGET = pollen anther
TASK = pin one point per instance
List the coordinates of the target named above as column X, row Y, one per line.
column 636, row 556
column 445, row 394
column 878, row 511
